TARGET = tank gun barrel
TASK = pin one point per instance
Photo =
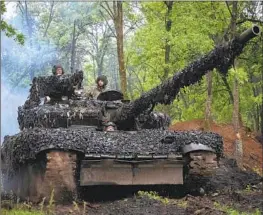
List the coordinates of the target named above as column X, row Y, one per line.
column 249, row 34
column 221, row 57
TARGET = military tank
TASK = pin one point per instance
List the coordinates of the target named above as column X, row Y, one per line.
column 64, row 144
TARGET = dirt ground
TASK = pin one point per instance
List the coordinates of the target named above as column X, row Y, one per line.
column 246, row 202
column 252, row 148
column 229, row 191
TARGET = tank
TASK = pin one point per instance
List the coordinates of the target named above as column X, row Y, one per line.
column 69, row 142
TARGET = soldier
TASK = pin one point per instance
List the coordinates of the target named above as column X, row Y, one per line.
column 57, row 70
column 101, row 83
column 109, row 126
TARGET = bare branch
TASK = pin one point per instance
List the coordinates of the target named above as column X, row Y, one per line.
column 112, row 31
column 249, row 20
column 108, row 10
column 50, row 17
column 229, row 9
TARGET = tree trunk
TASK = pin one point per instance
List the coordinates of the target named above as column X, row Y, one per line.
column 99, row 67
column 168, row 26
column 261, row 112
column 73, row 48
column 208, row 115
column 236, row 114
column 118, row 23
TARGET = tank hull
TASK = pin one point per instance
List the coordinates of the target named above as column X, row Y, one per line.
column 62, row 175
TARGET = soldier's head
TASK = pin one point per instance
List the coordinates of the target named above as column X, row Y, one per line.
column 109, row 126
column 58, row 70
column 102, row 81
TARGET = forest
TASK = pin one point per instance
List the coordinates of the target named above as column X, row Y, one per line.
column 138, row 45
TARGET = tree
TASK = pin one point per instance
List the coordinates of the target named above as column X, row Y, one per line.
column 116, row 13
column 8, row 29
column 236, row 119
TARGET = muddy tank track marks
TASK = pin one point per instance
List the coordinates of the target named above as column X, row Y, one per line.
column 26, row 145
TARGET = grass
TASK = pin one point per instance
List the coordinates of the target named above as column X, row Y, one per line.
column 231, row 211
column 153, row 195
column 21, row 211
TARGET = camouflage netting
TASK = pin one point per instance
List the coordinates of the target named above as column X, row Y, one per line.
column 154, row 120
column 221, row 57
column 60, row 115
column 26, row 145
column 54, row 86
column 82, row 112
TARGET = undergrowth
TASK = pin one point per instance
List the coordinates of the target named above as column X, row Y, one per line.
column 21, row 211
column 153, row 195
column 232, row 211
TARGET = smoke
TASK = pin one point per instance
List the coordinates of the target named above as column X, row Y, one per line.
column 10, row 101
column 19, row 64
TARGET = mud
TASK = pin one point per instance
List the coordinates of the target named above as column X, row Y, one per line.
column 218, row 201
column 245, row 195
column 189, row 205
column 227, row 178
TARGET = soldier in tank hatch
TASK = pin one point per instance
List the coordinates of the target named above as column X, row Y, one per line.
column 57, row 70
column 101, row 84
column 109, row 126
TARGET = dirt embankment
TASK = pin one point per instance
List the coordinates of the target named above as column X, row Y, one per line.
column 252, row 148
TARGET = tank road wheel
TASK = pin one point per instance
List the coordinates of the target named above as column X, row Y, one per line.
column 60, row 176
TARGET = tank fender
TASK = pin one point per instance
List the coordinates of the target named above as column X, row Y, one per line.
column 192, row 147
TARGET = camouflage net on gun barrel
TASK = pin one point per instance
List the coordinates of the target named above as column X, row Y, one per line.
column 25, row 145
column 221, row 57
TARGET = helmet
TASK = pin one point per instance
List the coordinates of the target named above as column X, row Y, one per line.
column 102, row 78
column 55, row 67
column 109, row 126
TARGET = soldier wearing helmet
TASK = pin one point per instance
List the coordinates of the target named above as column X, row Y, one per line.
column 109, row 126
column 101, row 83
column 57, row 70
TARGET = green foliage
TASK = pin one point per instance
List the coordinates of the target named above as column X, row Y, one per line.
column 153, row 195
column 232, row 211
column 21, row 212
column 8, row 29
column 195, row 29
